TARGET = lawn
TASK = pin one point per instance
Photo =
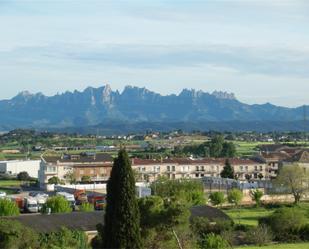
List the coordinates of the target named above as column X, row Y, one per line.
column 10, row 183
column 278, row 246
column 250, row 215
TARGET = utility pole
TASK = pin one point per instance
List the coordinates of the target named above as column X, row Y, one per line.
column 305, row 124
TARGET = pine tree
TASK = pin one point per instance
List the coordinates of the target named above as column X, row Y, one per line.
column 227, row 171
column 122, row 217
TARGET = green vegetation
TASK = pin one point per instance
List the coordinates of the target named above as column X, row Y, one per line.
column 217, row 198
column 86, row 207
column 295, row 179
column 189, row 191
column 278, row 246
column 57, row 204
column 10, row 183
column 256, row 196
column 228, row 171
column 122, row 217
column 8, row 208
column 235, row 196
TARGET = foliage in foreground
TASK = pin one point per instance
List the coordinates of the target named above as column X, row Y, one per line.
column 8, row 208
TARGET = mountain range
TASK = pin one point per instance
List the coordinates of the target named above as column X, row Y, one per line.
column 104, row 108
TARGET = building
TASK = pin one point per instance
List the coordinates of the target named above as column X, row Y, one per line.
column 74, row 167
column 14, row 167
column 300, row 158
column 272, row 160
column 150, row 170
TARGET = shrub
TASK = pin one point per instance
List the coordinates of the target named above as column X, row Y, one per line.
column 256, row 196
column 86, row 207
column 64, row 238
column 304, row 232
column 260, row 235
column 23, row 176
column 201, row 226
column 57, row 204
column 285, row 223
column 14, row 235
column 217, row 198
column 234, row 196
column 54, row 180
column 213, row 241
column 8, row 208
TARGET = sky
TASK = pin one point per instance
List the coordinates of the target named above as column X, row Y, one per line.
column 258, row 50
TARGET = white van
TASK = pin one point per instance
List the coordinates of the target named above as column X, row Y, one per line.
column 31, row 205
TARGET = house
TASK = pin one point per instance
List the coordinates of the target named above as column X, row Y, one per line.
column 68, row 167
column 300, row 158
column 272, row 160
column 14, row 167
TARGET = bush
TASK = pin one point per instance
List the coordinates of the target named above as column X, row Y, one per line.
column 54, row 180
column 217, row 198
column 213, row 241
column 285, row 223
column 234, row 196
column 260, row 235
column 23, row 176
column 201, row 226
column 86, row 207
column 64, row 238
column 14, row 235
column 304, row 232
column 57, row 204
column 8, row 208
column 256, row 196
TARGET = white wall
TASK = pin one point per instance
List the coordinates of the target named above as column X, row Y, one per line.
column 14, row 167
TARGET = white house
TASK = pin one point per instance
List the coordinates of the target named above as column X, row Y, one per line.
column 14, row 167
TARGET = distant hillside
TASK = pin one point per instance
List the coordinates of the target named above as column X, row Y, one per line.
column 136, row 107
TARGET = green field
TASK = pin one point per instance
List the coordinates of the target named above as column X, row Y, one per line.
column 250, row 215
column 10, row 183
column 278, row 246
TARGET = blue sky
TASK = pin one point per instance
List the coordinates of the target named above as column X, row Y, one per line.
column 257, row 49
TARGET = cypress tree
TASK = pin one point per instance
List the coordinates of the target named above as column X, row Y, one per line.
column 227, row 171
column 122, row 217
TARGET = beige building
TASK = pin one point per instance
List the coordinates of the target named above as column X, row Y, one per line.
column 188, row 168
column 68, row 167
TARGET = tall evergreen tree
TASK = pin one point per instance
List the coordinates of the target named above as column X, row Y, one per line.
column 228, row 171
column 122, row 217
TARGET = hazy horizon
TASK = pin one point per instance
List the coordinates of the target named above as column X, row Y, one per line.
column 256, row 49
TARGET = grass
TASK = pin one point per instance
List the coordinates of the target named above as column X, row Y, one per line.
column 248, row 216
column 10, row 183
column 251, row 215
column 278, row 246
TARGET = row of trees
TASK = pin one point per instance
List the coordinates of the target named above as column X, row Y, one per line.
column 217, row 147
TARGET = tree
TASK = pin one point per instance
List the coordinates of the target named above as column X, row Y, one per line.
column 228, row 171
column 54, row 180
column 295, row 179
column 58, row 204
column 235, row 196
column 260, row 176
column 8, row 208
column 217, row 198
column 228, row 149
column 23, row 176
column 122, row 217
column 256, row 196
column 14, row 235
column 216, row 146
column 192, row 192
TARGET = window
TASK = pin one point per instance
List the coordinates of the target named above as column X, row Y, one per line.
column 173, row 168
column 197, row 175
column 202, row 168
column 255, row 168
column 261, row 168
column 197, row 168
column 241, row 168
column 168, row 168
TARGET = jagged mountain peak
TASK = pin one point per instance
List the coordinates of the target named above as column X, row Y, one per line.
column 224, row 95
